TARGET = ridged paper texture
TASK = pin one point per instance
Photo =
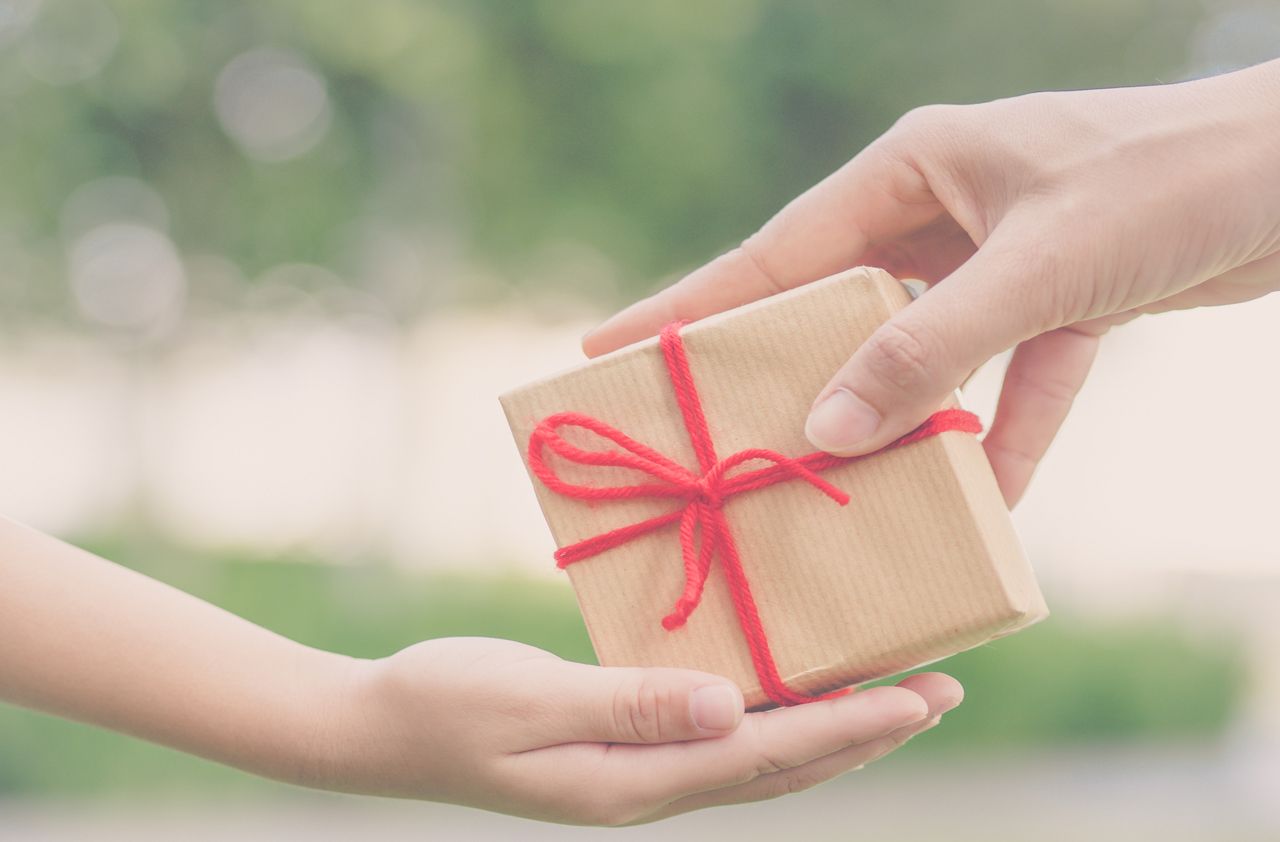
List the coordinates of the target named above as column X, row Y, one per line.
column 921, row 564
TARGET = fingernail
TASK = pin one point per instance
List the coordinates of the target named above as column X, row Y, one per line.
column 840, row 422
column 949, row 706
column 715, row 708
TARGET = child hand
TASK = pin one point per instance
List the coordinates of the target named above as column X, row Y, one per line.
column 503, row 726
column 488, row 723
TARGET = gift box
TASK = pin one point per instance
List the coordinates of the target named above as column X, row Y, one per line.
column 700, row 529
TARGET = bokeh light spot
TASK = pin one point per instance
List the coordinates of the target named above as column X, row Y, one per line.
column 272, row 104
column 128, row 276
column 15, row 17
column 69, row 40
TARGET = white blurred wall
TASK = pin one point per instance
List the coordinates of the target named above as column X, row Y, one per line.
column 359, row 440
column 352, row 440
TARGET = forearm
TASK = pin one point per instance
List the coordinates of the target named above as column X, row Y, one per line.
column 87, row 639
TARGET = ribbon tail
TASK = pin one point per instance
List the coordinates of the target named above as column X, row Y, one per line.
column 697, row 550
column 589, row 547
column 749, row 619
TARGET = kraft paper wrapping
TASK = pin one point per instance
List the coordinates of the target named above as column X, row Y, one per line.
column 923, row 563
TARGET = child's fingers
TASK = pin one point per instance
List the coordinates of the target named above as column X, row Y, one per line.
column 943, row 694
column 624, row 783
column 765, row 743
column 619, row 783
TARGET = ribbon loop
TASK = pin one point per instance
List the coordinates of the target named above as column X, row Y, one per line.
column 673, row 479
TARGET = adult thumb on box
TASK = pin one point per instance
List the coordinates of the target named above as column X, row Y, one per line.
column 909, row 366
column 633, row 705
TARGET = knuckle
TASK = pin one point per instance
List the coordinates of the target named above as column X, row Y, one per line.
column 894, row 741
column 639, row 710
column 752, row 252
column 898, row 356
column 931, row 130
column 767, row 761
column 792, row 783
column 769, row 764
column 1047, row 286
column 800, row 781
column 1053, row 391
column 925, row 120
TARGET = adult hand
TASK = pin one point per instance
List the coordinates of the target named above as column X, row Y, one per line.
column 1040, row 222
column 506, row 727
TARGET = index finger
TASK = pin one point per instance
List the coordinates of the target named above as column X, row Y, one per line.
column 823, row 231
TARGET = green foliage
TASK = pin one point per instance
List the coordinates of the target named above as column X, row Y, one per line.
column 1063, row 682
column 1067, row 681
column 651, row 134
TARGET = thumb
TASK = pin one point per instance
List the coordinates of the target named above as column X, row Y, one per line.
column 632, row 705
column 908, row 367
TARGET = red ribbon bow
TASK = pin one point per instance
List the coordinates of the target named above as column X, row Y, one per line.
column 703, row 528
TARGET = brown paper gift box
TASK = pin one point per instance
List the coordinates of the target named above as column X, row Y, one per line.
column 923, row 563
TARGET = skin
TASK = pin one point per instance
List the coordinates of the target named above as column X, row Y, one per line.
column 487, row 723
column 1040, row 222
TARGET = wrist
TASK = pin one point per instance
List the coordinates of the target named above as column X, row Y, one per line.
column 314, row 724
column 366, row 734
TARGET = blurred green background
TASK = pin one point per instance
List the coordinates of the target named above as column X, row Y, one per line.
column 515, row 137
column 558, row 151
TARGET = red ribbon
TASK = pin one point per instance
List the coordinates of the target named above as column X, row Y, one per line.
column 703, row 529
